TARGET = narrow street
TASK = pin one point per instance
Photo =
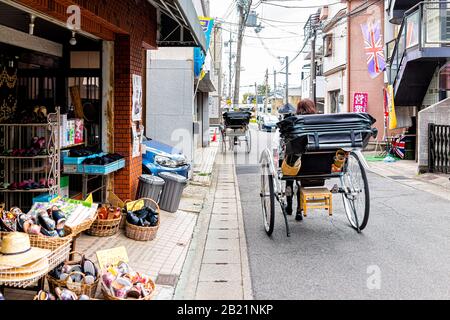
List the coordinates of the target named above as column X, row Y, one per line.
column 406, row 240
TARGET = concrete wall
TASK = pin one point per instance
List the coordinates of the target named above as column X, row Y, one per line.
column 339, row 33
column 334, row 82
column 438, row 113
column 170, row 86
column 205, row 121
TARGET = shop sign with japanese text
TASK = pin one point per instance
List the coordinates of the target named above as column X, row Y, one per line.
column 360, row 101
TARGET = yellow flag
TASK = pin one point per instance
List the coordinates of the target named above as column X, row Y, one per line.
column 202, row 75
column 89, row 199
column 392, row 114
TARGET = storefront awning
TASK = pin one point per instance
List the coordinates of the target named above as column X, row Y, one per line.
column 206, row 85
column 179, row 24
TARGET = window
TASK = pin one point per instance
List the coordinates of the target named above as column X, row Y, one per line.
column 334, row 101
column 328, row 45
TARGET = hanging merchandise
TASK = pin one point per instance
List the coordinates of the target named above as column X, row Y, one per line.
column 8, row 89
column 373, row 47
column 199, row 56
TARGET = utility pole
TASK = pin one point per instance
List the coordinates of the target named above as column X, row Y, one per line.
column 287, row 79
column 274, row 83
column 243, row 14
column 313, row 66
column 256, row 96
column 230, row 65
column 267, row 91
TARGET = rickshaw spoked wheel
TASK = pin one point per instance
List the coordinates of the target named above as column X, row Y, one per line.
column 356, row 193
column 248, row 141
column 267, row 199
column 223, row 141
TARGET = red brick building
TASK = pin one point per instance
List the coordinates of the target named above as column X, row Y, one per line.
column 119, row 33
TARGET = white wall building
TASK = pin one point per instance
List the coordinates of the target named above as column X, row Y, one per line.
column 335, row 59
column 178, row 101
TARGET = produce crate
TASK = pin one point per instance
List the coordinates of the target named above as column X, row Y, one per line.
column 104, row 170
column 79, row 160
column 73, row 168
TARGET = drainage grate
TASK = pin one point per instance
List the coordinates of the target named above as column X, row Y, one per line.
column 247, row 170
column 167, row 280
column 399, row 178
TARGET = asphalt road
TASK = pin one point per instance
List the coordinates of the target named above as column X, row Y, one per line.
column 404, row 253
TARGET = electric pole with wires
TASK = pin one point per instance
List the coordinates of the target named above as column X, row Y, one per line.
column 267, row 91
column 244, row 9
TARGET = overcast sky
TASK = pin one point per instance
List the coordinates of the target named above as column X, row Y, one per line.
column 282, row 39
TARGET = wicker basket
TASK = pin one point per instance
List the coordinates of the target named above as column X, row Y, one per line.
column 124, row 214
column 105, row 228
column 60, row 247
column 60, row 250
column 86, row 225
column 78, row 288
column 108, row 296
column 142, row 233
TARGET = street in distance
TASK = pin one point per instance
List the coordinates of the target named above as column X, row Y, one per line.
column 226, row 309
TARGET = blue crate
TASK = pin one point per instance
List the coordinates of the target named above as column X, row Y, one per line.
column 73, row 168
column 104, row 170
column 79, row 160
column 45, row 197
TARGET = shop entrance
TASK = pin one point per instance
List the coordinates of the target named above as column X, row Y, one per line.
column 36, row 86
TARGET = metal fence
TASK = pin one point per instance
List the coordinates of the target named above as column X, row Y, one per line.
column 439, row 148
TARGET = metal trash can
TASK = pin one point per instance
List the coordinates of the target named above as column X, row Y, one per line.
column 172, row 191
column 150, row 187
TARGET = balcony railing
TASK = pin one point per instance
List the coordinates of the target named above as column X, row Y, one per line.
column 426, row 25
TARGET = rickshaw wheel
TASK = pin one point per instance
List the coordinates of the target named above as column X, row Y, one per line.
column 223, row 142
column 267, row 199
column 356, row 196
column 248, row 141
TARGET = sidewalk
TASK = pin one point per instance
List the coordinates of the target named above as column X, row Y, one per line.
column 405, row 172
column 162, row 258
column 203, row 165
column 217, row 264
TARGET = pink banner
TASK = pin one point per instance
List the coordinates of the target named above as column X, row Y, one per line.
column 360, row 101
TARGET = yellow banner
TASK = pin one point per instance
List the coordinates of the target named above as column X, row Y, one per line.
column 391, row 104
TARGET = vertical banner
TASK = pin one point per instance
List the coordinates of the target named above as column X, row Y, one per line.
column 391, row 108
column 137, row 98
column 386, row 109
column 199, row 56
column 373, row 47
column 360, row 101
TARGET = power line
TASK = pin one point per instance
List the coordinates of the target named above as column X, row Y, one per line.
column 300, row 7
column 287, row 31
column 281, row 21
column 266, row 38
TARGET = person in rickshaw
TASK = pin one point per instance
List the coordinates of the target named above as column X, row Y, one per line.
column 305, row 106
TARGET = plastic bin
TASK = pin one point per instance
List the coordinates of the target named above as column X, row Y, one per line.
column 150, row 187
column 172, row 191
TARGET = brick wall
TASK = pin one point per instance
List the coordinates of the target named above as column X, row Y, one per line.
column 132, row 26
column 360, row 80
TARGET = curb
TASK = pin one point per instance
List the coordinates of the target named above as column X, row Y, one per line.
column 186, row 288
column 245, row 265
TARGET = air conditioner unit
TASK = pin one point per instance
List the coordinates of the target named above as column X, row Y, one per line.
column 324, row 13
